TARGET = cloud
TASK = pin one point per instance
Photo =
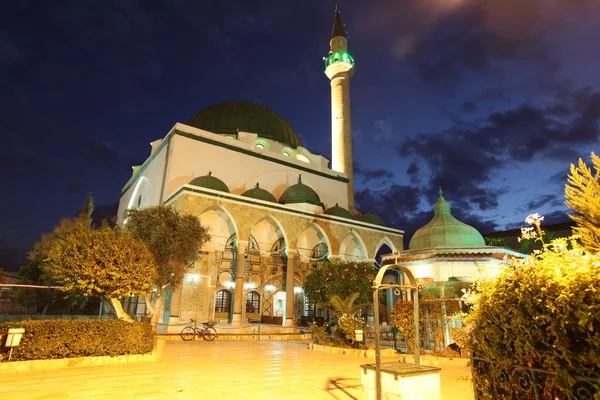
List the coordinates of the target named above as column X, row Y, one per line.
column 465, row 158
column 371, row 174
column 532, row 206
column 447, row 40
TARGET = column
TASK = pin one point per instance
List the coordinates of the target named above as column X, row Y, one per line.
column 175, row 309
column 239, row 283
column 289, row 288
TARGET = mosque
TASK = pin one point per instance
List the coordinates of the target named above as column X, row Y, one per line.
column 274, row 209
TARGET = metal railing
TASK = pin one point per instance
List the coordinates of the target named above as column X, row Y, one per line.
column 491, row 381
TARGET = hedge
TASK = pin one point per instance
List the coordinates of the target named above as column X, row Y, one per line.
column 542, row 312
column 53, row 339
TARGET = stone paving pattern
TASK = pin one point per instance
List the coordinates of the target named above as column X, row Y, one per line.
column 217, row 370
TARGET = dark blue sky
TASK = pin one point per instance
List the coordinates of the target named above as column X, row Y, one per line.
column 490, row 99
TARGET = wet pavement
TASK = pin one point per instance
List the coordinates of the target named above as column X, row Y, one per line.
column 217, row 370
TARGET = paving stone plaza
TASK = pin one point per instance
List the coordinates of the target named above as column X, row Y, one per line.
column 217, row 370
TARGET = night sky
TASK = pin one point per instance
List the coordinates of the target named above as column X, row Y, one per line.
column 490, row 99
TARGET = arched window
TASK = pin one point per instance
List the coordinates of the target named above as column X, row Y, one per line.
column 223, row 301
column 252, row 302
column 319, row 252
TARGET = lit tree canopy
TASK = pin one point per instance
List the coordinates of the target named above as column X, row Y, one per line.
column 102, row 262
column 174, row 239
column 340, row 278
column 583, row 197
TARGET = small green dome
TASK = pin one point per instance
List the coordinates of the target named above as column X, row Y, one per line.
column 445, row 231
column 371, row 218
column 233, row 116
column 210, row 182
column 339, row 212
column 261, row 194
column 300, row 193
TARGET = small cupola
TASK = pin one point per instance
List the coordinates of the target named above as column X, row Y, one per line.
column 210, row 182
column 260, row 194
column 300, row 193
column 338, row 211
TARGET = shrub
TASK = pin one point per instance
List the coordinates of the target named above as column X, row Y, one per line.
column 319, row 334
column 544, row 312
column 52, row 339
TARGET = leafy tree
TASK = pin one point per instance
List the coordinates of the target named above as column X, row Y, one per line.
column 583, row 197
column 340, row 278
column 175, row 241
column 103, row 262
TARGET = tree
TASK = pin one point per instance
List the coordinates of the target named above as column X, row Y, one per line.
column 340, row 278
column 103, row 262
column 583, row 197
column 175, row 241
column 33, row 273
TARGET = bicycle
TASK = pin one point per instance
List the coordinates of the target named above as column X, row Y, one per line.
column 207, row 332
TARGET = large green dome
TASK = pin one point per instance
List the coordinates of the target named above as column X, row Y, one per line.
column 210, row 182
column 300, row 193
column 445, row 231
column 233, row 116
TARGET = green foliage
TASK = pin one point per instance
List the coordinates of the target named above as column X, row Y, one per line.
column 52, row 339
column 319, row 334
column 583, row 197
column 434, row 312
column 340, row 278
column 341, row 306
column 174, row 239
column 496, row 242
column 542, row 311
column 348, row 323
column 461, row 337
column 100, row 262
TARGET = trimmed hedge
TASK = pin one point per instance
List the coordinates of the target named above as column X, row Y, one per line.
column 53, row 339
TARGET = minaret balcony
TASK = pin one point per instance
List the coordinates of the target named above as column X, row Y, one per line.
column 339, row 57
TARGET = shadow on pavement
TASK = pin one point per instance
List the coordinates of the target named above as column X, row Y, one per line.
column 344, row 388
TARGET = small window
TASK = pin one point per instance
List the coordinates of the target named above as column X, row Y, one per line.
column 252, row 302
column 260, row 146
column 285, row 153
column 223, row 301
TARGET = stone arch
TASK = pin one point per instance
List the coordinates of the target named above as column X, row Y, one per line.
column 384, row 241
column 267, row 231
column 312, row 235
column 141, row 194
column 353, row 247
column 221, row 225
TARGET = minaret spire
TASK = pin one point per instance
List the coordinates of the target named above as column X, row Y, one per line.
column 338, row 26
column 339, row 67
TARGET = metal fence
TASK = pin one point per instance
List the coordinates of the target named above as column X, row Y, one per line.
column 494, row 382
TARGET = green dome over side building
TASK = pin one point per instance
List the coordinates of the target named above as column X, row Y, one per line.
column 261, row 194
column 300, row 193
column 210, row 182
column 233, row 116
column 445, row 231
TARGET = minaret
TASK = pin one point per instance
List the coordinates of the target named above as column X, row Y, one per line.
column 339, row 67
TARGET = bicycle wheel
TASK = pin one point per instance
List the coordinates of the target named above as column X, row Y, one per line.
column 187, row 333
column 209, row 334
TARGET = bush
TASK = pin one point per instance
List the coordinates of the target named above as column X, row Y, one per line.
column 52, row 339
column 319, row 334
column 544, row 312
